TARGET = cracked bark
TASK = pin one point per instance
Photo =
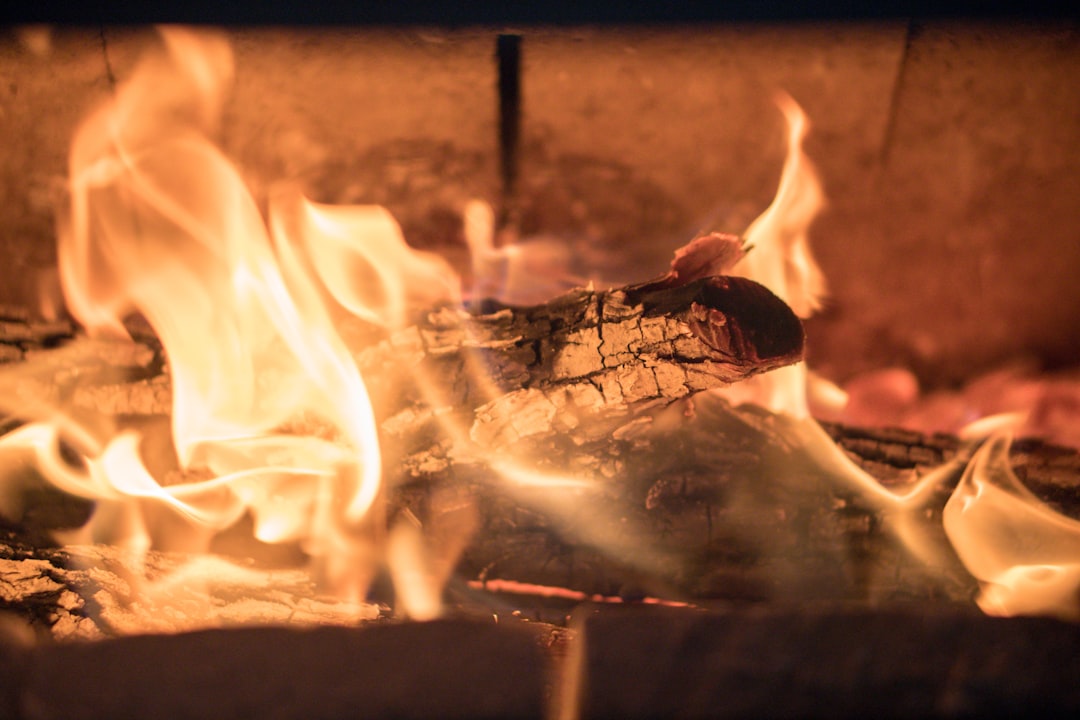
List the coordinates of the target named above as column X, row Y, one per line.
column 529, row 371
column 90, row 592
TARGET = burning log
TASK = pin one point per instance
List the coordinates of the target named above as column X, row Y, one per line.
column 700, row 500
column 525, row 371
column 713, row 505
column 99, row 591
column 553, row 364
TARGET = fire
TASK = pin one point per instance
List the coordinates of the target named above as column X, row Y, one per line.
column 272, row 420
column 1025, row 555
column 270, row 415
column 779, row 258
column 360, row 256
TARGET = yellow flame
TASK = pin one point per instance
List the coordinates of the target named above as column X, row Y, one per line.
column 522, row 271
column 1026, row 555
column 160, row 223
column 780, row 259
column 361, row 257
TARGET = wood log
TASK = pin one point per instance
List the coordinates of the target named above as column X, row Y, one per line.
column 699, row 500
column 98, row 591
column 513, row 372
column 507, row 371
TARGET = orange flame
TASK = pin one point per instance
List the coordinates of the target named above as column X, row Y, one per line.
column 779, row 258
column 161, row 224
column 359, row 254
column 1026, row 555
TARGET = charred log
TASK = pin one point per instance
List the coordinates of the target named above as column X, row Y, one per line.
column 513, row 372
column 698, row 500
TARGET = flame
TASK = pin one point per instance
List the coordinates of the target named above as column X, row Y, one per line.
column 271, row 417
column 360, row 255
column 266, row 397
column 780, row 259
column 1025, row 555
column 522, row 271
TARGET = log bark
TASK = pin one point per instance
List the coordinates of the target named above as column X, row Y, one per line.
column 515, row 372
column 93, row 592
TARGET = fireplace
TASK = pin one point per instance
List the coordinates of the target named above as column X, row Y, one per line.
column 943, row 146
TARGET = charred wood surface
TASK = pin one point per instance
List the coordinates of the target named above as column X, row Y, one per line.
column 514, row 372
column 93, row 592
column 699, row 500
column 21, row 334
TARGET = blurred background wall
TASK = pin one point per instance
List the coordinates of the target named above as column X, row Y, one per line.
column 948, row 151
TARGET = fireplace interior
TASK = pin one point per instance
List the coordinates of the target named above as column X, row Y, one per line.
column 949, row 240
